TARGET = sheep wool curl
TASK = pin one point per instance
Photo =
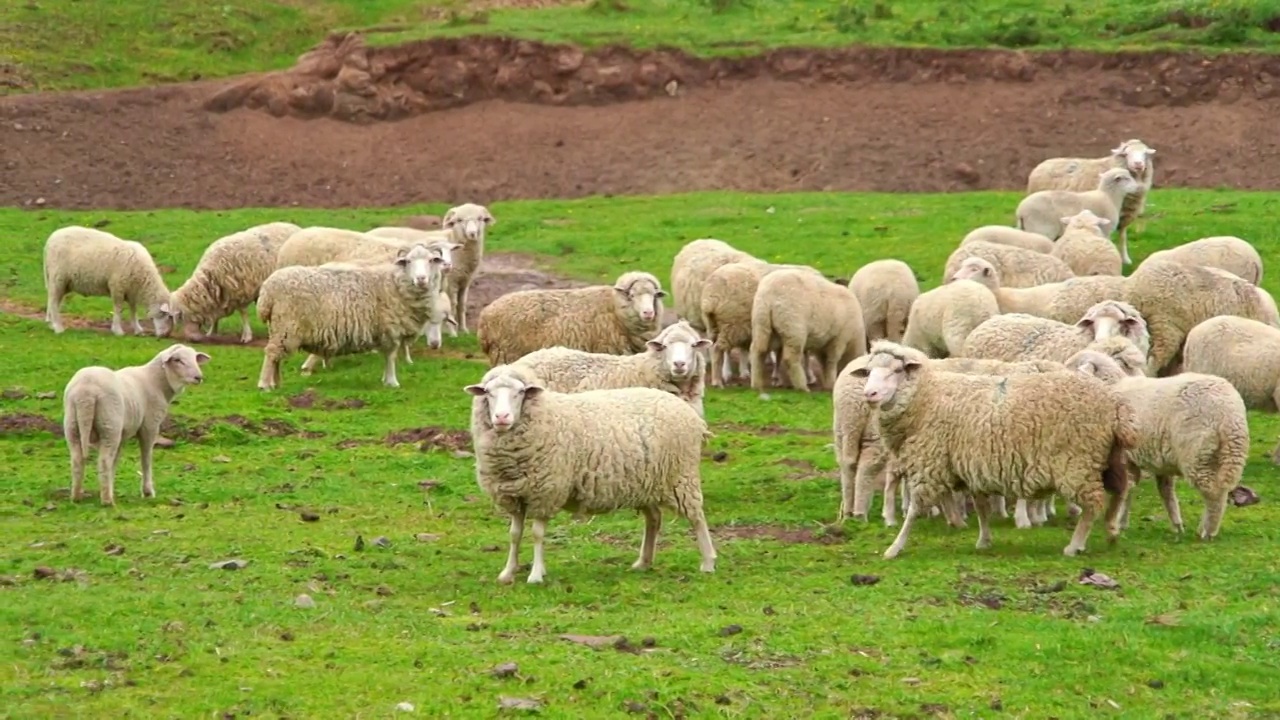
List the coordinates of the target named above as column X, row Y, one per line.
column 539, row 452
column 796, row 312
column 1193, row 425
column 108, row 407
column 1042, row 212
column 1013, row 337
column 1005, row 235
column 1085, row 247
column 1173, row 298
column 1244, row 352
column 672, row 362
column 228, row 277
column 347, row 308
column 690, row 269
column 1018, row 268
column 94, row 263
column 1058, row 432
column 885, row 289
column 1225, row 252
column 618, row 319
column 1083, row 173
column 942, row 318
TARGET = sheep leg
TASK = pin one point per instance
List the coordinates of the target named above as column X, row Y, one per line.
column 652, row 524
column 407, row 357
column 918, row 500
column 137, row 322
column 460, row 308
column 1038, row 516
column 516, row 533
column 77, row 465
column 539, row 563
column 1050, row 507
column 117, row 322
column 1081, row 534
column 856, row 480
column 719, row 365
column 53, row 309
column 146, row 442
column 983, row 511
column 758, row 351
column 795, row 360
column 1215, row 505
column 1134, row 476
column 1124, row 244
column 999, row 506
column 1275, row 454
column 1164, row 484
column 830, row 363
column 108, row 460
column 1021, row 519
column 269, row 377
column 246, row 330
column 952, row 506
column 703, row 534
column 389, row 371
column 309, row 365
column 891, row 485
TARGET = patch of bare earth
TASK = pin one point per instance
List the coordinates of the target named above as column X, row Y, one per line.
column 779, row 533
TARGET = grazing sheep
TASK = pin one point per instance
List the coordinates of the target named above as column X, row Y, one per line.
column 942, row 318
column 1018, row 268
column 885, row 289
column 1013, row 337
column 1173, row 298
column 539, row 452
column 796, row 312
column 106, row 407
column 1005, row 235
column 1073, row 298
column 673, row 362
column 1042, row 212
column 1245, row 353
column 228, row 277
column 347, row 308
column 1083, row 174
column 1225, row 252
column 1085, row 247
column 92, row 263
column 1057, row 432
column 1064, row 301
column 690, row 269
column 314, row 246
column 618, row 319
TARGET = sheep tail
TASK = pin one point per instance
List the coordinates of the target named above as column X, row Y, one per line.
column 85, row 412
column 1115, row 477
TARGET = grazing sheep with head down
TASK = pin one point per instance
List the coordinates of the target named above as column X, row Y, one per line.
column 1013, row 337
column 1042, row 212
column 1024, row 435
column 690, row 269
column 539, row 452
column 885, row 289
column 618, row 319
column 1065, row 301
column 1085, row 247
column 1245, row 353
column 1225, row 252
column 93, row 263
column 1005, row 235
column 942, row 318
column 795, row 313
column 1018, row 268
column 107, row 407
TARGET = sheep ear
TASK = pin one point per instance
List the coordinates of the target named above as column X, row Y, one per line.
column 621, row 290
column 861, row 372
column 660, row 294
column 476, row 390
column 1104, row 223
column 450, row 219
column 488, row 219
column 455, row 246
column 911, row 365
column 703, row 343
column 655, row 346
column 532, row 390
column 202, row 358
column 1118, row 150
column 451, row 321
column 1066, row 220
column 1151, row 151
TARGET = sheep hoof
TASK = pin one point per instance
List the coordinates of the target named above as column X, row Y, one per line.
column 891, row 553
column 535, row 579
column 764, row 396
column 707, row 567
column 639, row 565
column 1071, row 551
column 506, row 578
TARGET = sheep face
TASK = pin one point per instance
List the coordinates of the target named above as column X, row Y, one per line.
column 471, row 218
column 504, row 395
column 421, row 266
column 1135, row 154
column 977, row 270
column 445, row 252
column 641, row 299
column 1096, row 365
column 1119, row 179
column 1111, row 318
column 164, row 317
column 1086, row 220
column 678, row 347
column 889, row 371
column 182, row 365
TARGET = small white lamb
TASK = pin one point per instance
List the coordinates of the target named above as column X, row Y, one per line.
column 91, row 262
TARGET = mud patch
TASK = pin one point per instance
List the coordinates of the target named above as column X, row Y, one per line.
column 428, row 438
column 768, row 430
column 183, row 428
column 786, row 535
column 308, row 399
column 28, row 424
column 806, row 470
column 502, row 273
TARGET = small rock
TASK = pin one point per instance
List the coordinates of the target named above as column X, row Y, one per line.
column 723, row 700
column 14, row 393
column 304, row 601
column 1054, row 588
column 911, row 680
column 768, row 610
column 728, row 630
column 1097, row 579
column 164, row 443
column 426, row 537
column 505, row 670
column 382, row 541
column 580, row 684
column 221, row 459
column 44, row 572
column 635, row 707
column 1155, row 684
column 308, row 516
column 463, row 454
column 1242, row 496
column 232, row 564
column 384, row 591
column 996, row 704
column 515, row 703
column 359, row 543
column 864, row 579
column 404, row 707
column 113, row 549
column 48, row 395
column 720, row 456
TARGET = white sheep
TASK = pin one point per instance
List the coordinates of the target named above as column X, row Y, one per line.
column 885, row 289
column 796, row 313
column 1057, row 432
column 314, row 246
column 942, row 318
column 539, row 452
column 228, row 277
column 1244, row 352
column 1083, row 173
column 1018, row 268
column 1225, row 252
column 441, row 317
column 690, row 269
column 1042, row 211
column 1014, row 336
column 1064, row 301
column 106, row 407
column 92, row 263
column 1085, row 247
column 673, row 362
column 346, row 308
column 1005, row 235
column 617, row 319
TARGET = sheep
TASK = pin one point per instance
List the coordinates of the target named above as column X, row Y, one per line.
column 1192, row 424
column 1085, row 247
column 539, row 452
column 1173, row 298
column 228, row 277
column 690, row 269
column 1226, row 252
column 313, row 246
column 347, row 308
column 672, row 362
column 795, row 312
column 1057, row 432
column 618, row 319
column 942, row 318
column 1018, row 268
column 441, row 316
column 885, row 289
column 1014, row 336
column 1083, row 174
column 1244, row 352
column 1042, row 211
column 108, row 407
column 1064, row 301
column 1005, row 235
column 92, row 263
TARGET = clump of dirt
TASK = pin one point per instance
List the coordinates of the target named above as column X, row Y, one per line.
column 432, row 437
column 767, row 430
column 271, row 427
column 27, row 423
column 779, row 533
column 307, row 399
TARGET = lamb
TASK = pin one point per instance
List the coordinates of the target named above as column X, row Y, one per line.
column 92, row 263
column 1014, row 336
column 1244, row 352
column 228, row 277
column 1018, row 268
column 1005, row 235
column 106, row 407
column 1065, row 301
column 347, row 308
column 885, row 289
column 1085, row 247
column 690, row 269
column 1193, row 425
column 539, row 452
column 942, row 318
column 1042, row 211
column 1173, row 298
column 673, row 362
column 1059, row 432
column 796, row 312
column 1083, row 174
column 1232, row 254
column 618, row 319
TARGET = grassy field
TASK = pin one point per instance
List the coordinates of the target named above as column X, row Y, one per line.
column 136, row 624
column 71, row 44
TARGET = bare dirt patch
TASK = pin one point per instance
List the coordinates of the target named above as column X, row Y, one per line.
column 183, row 428
column 307, row 399
column 788, row 535
column 428, row 438
column 766, row 430
column 28, row 423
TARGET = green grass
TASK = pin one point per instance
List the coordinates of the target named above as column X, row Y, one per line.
column 75, row 44
column 154, row 632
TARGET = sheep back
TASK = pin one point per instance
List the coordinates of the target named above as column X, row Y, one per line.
column 1244, row 352
column 885, row 289
column 800, row 309
column 231, row 272
column 1018, row 268
column 941, row 319
column 1226, row 252
column 91, row 262
column 1004, row 235
column 690, row 269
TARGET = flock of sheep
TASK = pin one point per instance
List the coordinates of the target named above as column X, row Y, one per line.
column 1035, row 370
